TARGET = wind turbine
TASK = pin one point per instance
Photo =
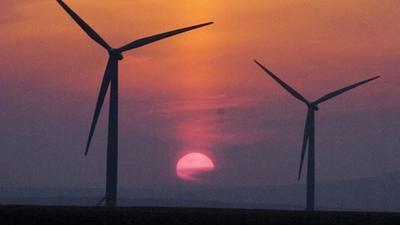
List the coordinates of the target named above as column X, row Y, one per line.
column 309, row 130
column 110, row 79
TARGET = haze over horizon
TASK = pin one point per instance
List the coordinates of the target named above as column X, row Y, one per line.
column 199, row 92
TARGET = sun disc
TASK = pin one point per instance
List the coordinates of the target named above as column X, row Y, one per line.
column 191, row 165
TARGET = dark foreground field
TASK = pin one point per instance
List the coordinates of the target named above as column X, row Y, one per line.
column 16, row 215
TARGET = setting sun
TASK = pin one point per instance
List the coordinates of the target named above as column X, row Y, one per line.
column 190, row 166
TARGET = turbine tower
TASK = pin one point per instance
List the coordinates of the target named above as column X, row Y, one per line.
column 110, row 79
column 309, row 130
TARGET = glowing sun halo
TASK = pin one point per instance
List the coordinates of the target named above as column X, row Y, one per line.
column 191, row 165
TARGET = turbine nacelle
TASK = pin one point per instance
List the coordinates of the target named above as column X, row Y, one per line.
column 115, row 53
column 313, row 106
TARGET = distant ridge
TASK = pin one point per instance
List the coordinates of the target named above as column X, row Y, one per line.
column 380, row 193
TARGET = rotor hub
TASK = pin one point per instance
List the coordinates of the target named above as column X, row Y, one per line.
column 116, row 54
column 313, row 107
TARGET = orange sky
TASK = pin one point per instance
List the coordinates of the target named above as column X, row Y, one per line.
column 296, row 38
column 316, row 46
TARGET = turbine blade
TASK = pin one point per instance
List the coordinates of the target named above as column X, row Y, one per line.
column 305, row 142
column 343, row 90
column 100, row 100
column 85, row 27
column 148, row 40
column 283, row 84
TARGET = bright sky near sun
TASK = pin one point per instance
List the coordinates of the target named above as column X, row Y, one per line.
column 198, row 90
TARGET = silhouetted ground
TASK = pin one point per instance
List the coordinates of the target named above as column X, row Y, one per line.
column 38, row 215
